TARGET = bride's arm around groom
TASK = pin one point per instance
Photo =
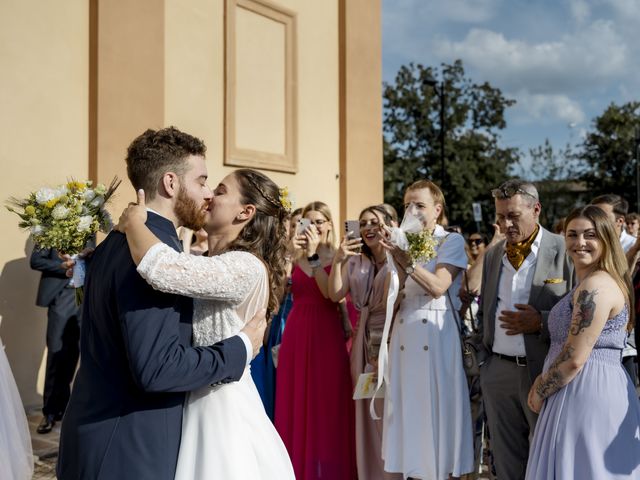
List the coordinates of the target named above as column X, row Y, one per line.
column 124, row 417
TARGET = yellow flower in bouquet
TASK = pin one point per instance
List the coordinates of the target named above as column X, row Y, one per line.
column 413, row 238
column 422, row 246
column 67, row 216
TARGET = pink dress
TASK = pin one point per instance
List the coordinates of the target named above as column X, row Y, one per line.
column 368, row 294
column 314, row 409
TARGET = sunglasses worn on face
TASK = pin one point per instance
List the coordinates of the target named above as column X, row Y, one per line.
column 502, row 193
column 475, row 241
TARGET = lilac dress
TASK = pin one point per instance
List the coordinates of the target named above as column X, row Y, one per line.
column 589, row 428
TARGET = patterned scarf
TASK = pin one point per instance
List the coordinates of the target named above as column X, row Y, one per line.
column 516, row 253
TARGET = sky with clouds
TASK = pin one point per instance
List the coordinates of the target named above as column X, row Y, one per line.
column 563, row 61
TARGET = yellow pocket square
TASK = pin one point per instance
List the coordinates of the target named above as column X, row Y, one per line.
column 554, row 280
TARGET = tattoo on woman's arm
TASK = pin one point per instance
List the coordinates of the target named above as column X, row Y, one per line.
column 554, row 380
column 586, row 307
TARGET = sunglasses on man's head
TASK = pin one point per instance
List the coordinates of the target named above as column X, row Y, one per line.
column 475, row 241
column 502, row 193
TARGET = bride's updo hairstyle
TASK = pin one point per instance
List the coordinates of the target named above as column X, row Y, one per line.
column 265, row 235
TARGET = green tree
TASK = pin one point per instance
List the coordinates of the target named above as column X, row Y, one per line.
column 556, row 174
column 608, row 151
column 473, row 114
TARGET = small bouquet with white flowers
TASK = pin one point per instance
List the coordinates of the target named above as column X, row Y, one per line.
column 66, row 217
column 412, row 237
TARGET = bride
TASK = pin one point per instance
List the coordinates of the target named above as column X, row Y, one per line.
column 225, row 430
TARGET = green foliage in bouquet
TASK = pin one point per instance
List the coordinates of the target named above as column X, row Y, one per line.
column 67, row 216
column 422, row 246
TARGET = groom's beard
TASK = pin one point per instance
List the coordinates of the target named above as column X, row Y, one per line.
column 189, row 213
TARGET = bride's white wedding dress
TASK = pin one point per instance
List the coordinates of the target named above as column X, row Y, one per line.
column 16, row 457
column 226, row 433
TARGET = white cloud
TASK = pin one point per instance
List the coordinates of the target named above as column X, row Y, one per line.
column 467, row 11
column 531, row 108
column 626, row 9
column 580, row 10
column 590, row 57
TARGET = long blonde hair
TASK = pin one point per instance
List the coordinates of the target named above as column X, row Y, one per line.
column 323, row 208
column 613, row 260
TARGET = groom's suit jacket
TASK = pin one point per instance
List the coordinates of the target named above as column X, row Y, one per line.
column 552, row 279
column 125, row 414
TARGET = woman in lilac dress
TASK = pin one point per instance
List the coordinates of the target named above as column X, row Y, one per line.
column 589, row 411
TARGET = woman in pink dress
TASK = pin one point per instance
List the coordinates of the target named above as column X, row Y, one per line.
column 360, row 269
column 314, row 410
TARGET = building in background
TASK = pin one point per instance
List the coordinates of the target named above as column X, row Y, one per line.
column 292, row 87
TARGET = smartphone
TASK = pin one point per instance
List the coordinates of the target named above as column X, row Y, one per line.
column 352, row 229
column 302, row 225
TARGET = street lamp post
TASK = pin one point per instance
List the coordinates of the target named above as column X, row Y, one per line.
column 439, row 91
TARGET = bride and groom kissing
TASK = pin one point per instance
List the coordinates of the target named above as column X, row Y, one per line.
column 164, row 390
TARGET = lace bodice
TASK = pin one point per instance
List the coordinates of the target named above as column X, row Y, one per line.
column 613, row 334
column 228, row 289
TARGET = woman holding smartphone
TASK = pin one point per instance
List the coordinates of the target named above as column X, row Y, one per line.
column 314, row 410
column 360, row 270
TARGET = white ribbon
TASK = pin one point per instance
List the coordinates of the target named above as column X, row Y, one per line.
column 79, row 270
column 411, row 223
column 383, row 355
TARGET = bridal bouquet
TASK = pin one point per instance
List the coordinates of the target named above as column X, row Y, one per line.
column 413, row 238
column 66, row 217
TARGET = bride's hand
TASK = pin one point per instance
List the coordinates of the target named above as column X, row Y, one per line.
column 135, row 213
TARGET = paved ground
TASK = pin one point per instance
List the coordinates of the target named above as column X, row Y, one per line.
column 45, row 449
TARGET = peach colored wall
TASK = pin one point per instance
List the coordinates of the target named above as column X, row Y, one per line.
column 158, row 63
column 194, row 100
column 43, row 140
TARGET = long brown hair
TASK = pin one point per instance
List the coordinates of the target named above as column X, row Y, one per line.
column 383, row 216
column 265, row 234
column 613, row 260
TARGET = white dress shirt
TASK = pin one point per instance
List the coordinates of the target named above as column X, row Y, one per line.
column 626, row 240
column 514, row 287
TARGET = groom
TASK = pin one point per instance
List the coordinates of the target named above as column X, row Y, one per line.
column 125, row 414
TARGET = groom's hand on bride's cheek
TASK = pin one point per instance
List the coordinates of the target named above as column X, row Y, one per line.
column 254, row 329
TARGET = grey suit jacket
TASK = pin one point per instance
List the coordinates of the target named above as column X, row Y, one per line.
column 551, row 264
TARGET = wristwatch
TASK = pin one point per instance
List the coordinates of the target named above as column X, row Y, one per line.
column 409, row 269
column 314, row 260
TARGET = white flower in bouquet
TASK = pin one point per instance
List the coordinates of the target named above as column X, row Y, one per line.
column 84, row 223
column 101, row 189
column 89, row 194
column 60, row 212
column 64, row 217
column 412, row 237
column 45, row 195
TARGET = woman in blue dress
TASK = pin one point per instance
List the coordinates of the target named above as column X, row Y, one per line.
column 589, row 410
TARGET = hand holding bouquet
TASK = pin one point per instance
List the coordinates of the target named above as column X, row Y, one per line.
column 65, row 217
column 412, row 237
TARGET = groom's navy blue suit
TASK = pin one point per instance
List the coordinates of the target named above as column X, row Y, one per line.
column 136, row 361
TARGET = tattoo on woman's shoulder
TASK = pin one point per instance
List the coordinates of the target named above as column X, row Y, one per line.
column 586, row 306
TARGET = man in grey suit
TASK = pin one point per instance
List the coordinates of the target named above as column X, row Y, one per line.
column 523, row 277
column 63, row 334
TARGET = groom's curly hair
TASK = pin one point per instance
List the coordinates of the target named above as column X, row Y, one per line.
column 157, row 152
column 265, row 235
